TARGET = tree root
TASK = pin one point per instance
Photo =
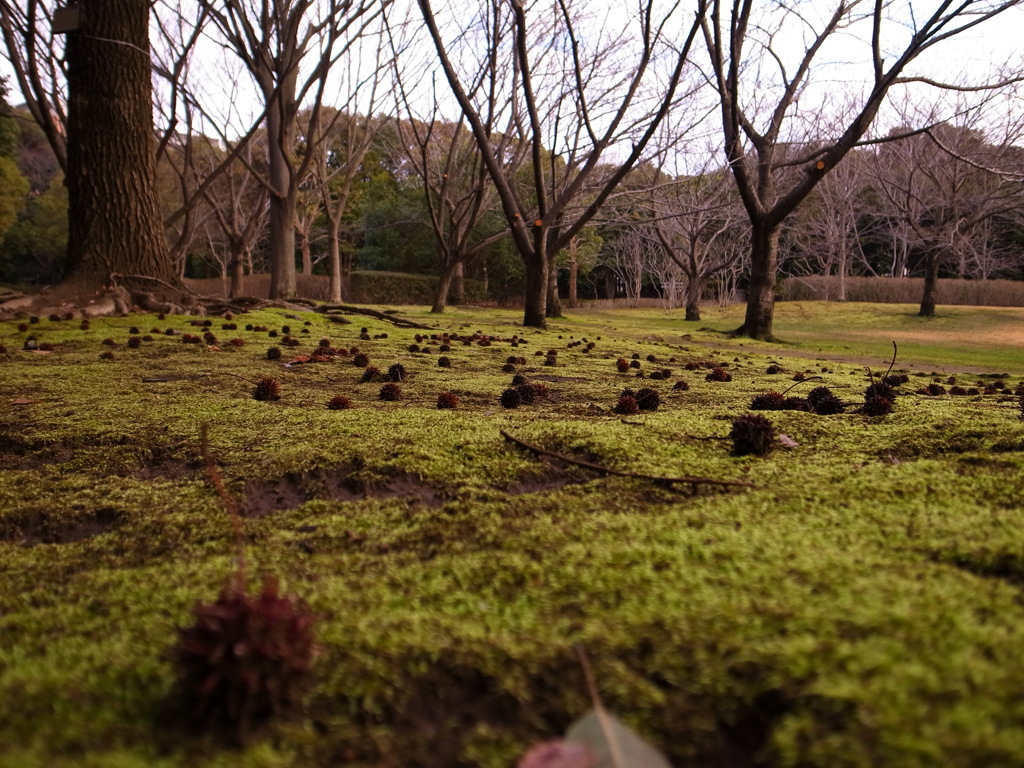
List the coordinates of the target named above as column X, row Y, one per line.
column 603, row 470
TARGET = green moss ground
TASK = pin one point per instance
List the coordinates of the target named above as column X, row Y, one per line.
column 859, row 606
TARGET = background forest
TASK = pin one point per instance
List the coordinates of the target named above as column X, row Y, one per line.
column 313, row 137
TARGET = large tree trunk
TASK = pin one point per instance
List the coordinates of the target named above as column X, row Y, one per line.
column 694, row 290
column 536, row 299
column 931, row 285
column 764, row 256
column 114, row 224
column 284, row 193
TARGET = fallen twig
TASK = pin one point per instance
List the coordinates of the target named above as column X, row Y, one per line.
column 603, row 470
column 399, row 321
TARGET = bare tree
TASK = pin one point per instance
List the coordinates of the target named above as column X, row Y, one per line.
column 576, row 91
column 945, row 187
column 689, row 217
column 36, row 56
column 763, row 60
column 289, row 49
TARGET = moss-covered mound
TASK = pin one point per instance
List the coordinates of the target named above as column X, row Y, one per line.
column 854, row 599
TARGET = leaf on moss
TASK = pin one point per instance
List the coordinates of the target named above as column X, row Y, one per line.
column 614, row 744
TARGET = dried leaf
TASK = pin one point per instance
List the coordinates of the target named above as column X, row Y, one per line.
column 788, row 442
column 23, row 401
column 613, row 743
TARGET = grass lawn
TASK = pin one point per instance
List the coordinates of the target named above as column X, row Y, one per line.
column 859, row 604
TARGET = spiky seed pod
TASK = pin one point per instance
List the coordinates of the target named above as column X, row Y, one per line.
column 54, row 318
column 959, row 391
column 447, row 401
column 768, row 401
column 525, row 394
column 291, row 342
column 108, row 343
column 990, row 391
column 370, row 373
column 895, row 379
column 134, row 342
column 229, row 326
column 799, row 376
column 752, row 434
column 397, row 372
column 272, row 334
column 508, row 368
column 209, row 338
column 692, row 366
column 648, row 399
column 414, row 348
column 510, row 398
column 880, row 389
column 248, row 326
column 48, row 347
column 518, row 380
column 324, row 343
column 634, row 363
column 512, row 360
column 134, row 331
column 444, row 362
column 622, row 365
column 267, row 389
column 360, row 359
column 3, row 349
column 540, row 389
column 666, row 373
column 973, row 391
column 627, row 405
column 390, row 392
column 108, row 355
column 237, row 342
column 681, row 386
column 652, row 359
column 773, row 369
column 273, row 353
column 935, row 390
column 84, row 325
column 147, row 337
column 827, row 405
column 246, row 659
column 795, row 404
column 550, row 361
column 444, row 348
column 22, row 327
column 339, row 403
column 877, row 405
column 718, row 374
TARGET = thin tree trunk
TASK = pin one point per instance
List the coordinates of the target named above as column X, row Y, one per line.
column 764, row 256
column 334, row 264
column 554, row 307
column 574, row 268
column 460, row 284
column 114, row 223
column 444, row 284
column 931, row 285
column 236, row 272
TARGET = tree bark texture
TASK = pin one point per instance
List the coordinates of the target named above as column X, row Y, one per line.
column 444, row 284
column 535, row 300
column 764, row 258
column 114, row 224
column 931, row 285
